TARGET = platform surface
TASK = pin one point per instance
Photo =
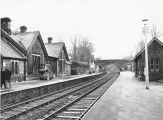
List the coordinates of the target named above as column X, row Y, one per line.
column 127, row 99
column 35, row 83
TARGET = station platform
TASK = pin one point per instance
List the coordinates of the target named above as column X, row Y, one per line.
column 127, row 99
column 26, row 90
column 17, row 86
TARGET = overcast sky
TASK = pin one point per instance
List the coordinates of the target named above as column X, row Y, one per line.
column 113, row 26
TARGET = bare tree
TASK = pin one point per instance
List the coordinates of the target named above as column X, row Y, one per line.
column 82, row 50
column 73, row 49
column 140, row 45
column 154, row 32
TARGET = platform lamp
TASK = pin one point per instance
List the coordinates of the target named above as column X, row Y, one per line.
column 145, row 31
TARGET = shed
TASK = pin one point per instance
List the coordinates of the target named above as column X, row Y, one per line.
column 155, row 61
column 60, row 61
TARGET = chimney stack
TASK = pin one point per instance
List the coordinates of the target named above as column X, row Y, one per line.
column 23, row 29
column 5, row 24
column 50, row 39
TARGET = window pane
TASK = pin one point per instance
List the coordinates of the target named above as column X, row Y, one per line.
column 38, row 62
column 157, row 66
column 152, row 61
column 12, row 69
column 152, row 64
column 16, row 68
column 157, row 62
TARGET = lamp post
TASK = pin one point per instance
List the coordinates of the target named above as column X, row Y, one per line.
column 145, row 30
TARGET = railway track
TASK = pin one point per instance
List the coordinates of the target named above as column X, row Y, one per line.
column 41, row 107
column 13, row 111
column 75, row 109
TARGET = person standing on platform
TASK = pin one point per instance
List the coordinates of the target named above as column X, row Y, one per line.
column 6, row 77
column 2, row 78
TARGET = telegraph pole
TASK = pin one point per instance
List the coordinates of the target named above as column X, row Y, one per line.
column 145, row 31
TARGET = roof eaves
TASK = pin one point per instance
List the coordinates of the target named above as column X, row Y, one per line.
column 55, row 56
column 148, row 45
column 18, row 51
column 158, row 41
column 42, row 43
column 33, row 41
column 12, row 41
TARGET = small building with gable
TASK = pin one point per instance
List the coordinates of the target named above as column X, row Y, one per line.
column 58, row 57
column 155, row 61
column 36, row 52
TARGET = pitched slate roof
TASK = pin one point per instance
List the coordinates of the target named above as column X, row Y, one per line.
column 8, row 38
column 50, row 51
column 9, row 51
column 153, row 39
column 54, row 49
column 27, row 39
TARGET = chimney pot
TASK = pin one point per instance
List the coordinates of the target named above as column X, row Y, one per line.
column 23, row 29
column 5, row 24
column 50, row 39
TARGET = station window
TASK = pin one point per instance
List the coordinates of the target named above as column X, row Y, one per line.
column 15, row 68
column 152, row 64
column 157, row 65
column 36, row 63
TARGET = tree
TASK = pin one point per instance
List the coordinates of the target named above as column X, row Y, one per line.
column 73, row 53
column 154, row 32
column 140, row 45
column 82, row 50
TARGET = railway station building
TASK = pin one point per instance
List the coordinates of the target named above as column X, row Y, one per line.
column 58, row 57
column 26, row 52
column 155, row 61
column 36, row 52
column 12, row 54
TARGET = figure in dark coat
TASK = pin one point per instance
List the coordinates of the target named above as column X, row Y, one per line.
column 2, row 79
column 5, row 77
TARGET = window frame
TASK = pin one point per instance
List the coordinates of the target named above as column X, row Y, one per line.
column 36, row 60
column 15, row 67
column 157, row 64
column 152, row 64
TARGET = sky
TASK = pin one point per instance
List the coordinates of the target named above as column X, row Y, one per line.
column 113, row 26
